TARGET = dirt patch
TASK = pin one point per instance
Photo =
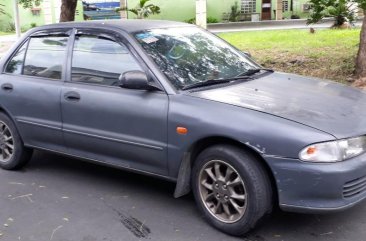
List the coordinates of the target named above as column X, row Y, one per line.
column 339, row 68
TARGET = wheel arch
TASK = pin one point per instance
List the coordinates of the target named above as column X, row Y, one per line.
column 183, row 186
column 6, row 112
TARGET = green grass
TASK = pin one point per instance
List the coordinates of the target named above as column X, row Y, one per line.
column 326, row 54
column 5, row 33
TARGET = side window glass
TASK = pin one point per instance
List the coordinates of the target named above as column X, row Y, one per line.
column 15, row 65
column 99, row 60
column 45, row 57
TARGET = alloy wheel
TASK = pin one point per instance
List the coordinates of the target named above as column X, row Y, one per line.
column 222, row 191
column 6, row 143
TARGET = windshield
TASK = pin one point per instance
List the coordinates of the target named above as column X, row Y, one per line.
column 190, row 55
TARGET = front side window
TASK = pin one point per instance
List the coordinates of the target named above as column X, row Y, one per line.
column 189, row 55
column 99, row 60
column 15, row 65
column 45, row 57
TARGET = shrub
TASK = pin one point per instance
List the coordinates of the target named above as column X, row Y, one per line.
column 235, row 12
column 212, row 20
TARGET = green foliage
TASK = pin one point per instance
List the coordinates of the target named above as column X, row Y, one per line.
column 209, row 20
column 29, row 3
column 235, row 12
column 191, row 21
column 143, row 10
column 342, row 10
column 10, row 27
column 33, row 25
column 212, row 20
column 2, row 11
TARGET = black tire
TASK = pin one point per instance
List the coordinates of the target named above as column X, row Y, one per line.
column 255, row 180
column 20, row 155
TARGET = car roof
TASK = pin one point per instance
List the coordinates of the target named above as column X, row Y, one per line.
column 130, row 25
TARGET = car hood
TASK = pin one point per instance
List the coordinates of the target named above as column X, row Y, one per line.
column 325, row 105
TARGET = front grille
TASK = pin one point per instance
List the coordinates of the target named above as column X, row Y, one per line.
column 354, row 187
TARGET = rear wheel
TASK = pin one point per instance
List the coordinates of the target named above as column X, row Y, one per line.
column 13, row 154
column 231, row 188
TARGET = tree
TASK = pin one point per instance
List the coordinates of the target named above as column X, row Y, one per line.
column 143, row 10
column 68, row 9
column 29, row 3
column 2, row 11
column 361, row 55
column 344, row 11
column 123, row 5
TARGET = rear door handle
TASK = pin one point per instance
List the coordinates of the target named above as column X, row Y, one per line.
column 72, row 96
column 7, row 87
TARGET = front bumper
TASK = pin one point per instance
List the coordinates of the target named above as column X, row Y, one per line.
column 319, row 187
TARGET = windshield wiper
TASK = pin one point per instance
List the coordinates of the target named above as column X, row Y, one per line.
column 214, row 82
column 254, row 71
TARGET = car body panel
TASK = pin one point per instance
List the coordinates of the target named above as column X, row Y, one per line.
column 274, row 115
column 258, row 131
column 117, row 125
column 325, row 105
column 34, row 105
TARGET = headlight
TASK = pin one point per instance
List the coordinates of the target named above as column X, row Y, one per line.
column 334, row 151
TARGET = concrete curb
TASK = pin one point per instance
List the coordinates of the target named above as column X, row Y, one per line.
column 266, row 24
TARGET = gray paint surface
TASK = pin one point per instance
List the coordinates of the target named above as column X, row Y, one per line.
column 275, row 115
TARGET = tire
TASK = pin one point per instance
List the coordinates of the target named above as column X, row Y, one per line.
column 13, row 154
column 247, row 201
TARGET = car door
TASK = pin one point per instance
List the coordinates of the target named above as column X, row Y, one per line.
column 107, row 123
column 31, row 86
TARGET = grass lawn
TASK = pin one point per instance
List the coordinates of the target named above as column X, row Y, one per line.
column 326, row 54
column 5, row 33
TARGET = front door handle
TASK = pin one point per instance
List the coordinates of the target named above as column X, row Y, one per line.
column 7, row 87
column 72, row 96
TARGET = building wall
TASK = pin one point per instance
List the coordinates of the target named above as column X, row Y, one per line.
column 182, row 10
column 49, row 13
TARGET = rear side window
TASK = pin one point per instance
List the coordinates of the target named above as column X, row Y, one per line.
column 15, row 65
column 98, row 60
column 45, row 57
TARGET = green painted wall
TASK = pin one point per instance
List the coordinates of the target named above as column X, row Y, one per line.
column 181, row 10
column 27, row 18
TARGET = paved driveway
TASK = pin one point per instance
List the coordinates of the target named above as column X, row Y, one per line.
column 63, row 199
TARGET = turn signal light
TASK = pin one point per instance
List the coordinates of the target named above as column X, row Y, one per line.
column 182, row 130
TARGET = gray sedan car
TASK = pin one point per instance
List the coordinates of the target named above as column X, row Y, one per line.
column 173, row 101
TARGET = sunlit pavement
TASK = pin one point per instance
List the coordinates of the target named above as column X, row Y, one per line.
column 63, row 199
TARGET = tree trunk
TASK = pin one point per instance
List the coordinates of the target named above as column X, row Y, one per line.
column 361, row 56
column 68, row 8
column 123, row 7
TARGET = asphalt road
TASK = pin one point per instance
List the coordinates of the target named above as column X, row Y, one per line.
column 63, row 199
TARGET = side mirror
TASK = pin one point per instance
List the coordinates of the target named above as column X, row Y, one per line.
column 136, row 80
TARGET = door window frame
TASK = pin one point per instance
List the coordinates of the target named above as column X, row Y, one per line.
column 113, row 36
column 41, row 33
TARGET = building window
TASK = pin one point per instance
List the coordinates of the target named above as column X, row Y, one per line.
column 248, row 6
column 285, row 6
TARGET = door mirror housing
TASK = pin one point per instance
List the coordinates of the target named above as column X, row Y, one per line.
column 136, row 80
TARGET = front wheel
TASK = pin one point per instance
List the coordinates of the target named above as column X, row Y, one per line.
column 231, row 188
